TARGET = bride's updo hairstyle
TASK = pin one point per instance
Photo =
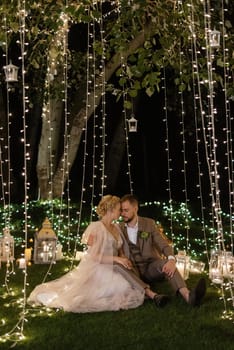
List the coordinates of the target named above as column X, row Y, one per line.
column 107, row 202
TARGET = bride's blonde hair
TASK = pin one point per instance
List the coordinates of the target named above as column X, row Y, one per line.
column 107, row 202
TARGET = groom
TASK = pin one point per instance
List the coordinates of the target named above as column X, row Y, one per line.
column 151, row 254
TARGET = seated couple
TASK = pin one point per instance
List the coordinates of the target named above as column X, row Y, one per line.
column 120, row 263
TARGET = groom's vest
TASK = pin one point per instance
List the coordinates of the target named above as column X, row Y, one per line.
column 140, row 263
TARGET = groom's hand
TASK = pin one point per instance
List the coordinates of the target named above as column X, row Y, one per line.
column 169, row 268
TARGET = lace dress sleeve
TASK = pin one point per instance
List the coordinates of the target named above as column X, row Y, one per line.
column 101, row 249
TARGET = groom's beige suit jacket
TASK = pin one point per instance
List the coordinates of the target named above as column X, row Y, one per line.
column 151, row 242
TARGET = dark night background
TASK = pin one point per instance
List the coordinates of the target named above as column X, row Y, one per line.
column 147, row 147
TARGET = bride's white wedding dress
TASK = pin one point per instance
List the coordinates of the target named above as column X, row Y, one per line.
column 94, row 285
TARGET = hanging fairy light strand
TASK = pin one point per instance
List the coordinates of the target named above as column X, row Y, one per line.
column 92, row 79
column 212, row 140
column 206, row 128
column 103, row 101
column 6, row 240
column 63, row 39
column 25, row 101
column 196, row 108
column 229, row 123
column 168, row 153
column 16, row 333
column 128, row 153
column 2, row 181
column 180, row 10
column 60, row 42
column 6, row 183
column 85, row 138
column 124, row 112
column 184, row 170
column 209, row 139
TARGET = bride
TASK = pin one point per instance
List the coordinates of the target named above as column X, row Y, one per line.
column 104, row 279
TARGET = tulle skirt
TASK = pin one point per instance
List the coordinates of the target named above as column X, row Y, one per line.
column 88, row 288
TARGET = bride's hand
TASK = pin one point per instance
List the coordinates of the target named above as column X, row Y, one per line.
column 124, row 261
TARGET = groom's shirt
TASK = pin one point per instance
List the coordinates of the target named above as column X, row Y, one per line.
column 132, row 232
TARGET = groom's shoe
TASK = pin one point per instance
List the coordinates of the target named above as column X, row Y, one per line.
column 160, row 300
column 197, row 294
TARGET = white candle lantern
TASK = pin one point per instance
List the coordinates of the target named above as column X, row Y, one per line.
column 215, row 267
column 214, row 39
column 6, row 246
column 132, row 124
column 227, row 263
column 79, row 255
column 59, row 251
column 45, row 244
column 182, row 264
column 11, row 73
column 22, row 263
column 196, row 266
column 28, row 254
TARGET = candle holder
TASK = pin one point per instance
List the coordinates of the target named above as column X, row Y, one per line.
column 59, row 251
column 227, row 264
column 45, row 244
column 22, row 263
column 182, row 264
column 79, row 255
column 216, row 267
column 11, row 73
column 196, row 266
column 214, row 39
column 132, row 124
column 6, row 246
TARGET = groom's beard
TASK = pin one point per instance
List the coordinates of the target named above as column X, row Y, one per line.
column 128, row 220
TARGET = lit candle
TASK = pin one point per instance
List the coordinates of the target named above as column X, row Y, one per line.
column 45, row 248
column 180, row 267
column 79, row 255
column 196, row 266
column 59, row 253
column 216, row 276
column 22, row 263
column 45, row 257
column 28, row 254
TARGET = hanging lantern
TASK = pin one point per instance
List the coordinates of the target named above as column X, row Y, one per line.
column 214, row 39
column 132, row 124
column 182, row 264
column 6, row 246
column 45, row 244
column 11, row 73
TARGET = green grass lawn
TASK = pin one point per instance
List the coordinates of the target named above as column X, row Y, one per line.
column 177, row 326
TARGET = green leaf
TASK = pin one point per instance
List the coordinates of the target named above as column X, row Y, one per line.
column 128, row 104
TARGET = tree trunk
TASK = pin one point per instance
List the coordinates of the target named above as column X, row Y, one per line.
column 48, row 147
column 79, row 118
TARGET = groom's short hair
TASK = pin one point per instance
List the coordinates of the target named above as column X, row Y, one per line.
column 132, row 199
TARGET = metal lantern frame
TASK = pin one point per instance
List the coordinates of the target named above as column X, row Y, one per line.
column 11, row 72
column 132, row 124
column 183, row 264
column 214, row 39
column 221, row 266
column 45, row 244
column 6, row 246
